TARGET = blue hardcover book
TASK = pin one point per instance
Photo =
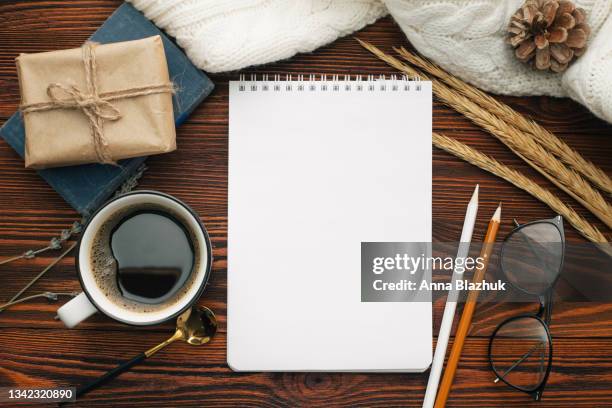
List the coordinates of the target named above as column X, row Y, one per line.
column 88, row 186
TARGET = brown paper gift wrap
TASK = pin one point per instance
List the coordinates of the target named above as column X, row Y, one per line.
column 138, row 125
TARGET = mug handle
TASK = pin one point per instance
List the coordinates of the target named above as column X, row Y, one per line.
column 76, row 310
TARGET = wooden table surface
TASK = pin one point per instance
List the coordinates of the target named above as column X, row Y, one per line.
column 35, row 351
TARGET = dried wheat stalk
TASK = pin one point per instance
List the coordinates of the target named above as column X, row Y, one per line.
column 522, row 145
column 547, row 139
column 491, row 165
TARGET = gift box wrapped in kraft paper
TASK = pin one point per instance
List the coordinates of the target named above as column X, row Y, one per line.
column 96, row 104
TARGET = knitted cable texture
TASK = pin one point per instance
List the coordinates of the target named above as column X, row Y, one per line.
column 466, row 37
column 226, row 35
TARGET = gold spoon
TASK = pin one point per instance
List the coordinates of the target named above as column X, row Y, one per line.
column 196, row 326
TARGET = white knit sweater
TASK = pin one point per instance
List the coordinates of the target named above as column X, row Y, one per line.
column 466, row 37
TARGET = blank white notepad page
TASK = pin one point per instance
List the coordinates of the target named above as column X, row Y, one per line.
column 314, row 170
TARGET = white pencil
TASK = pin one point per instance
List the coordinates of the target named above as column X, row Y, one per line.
column 451, row 304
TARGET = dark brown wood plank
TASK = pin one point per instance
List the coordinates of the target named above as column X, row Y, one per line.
column 198, row 375
column 35, row 350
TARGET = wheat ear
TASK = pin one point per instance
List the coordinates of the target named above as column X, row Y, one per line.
column 523, row 146
column 546, row 138
column 491, row 165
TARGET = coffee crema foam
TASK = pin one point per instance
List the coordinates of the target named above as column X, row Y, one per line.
column 104, row 266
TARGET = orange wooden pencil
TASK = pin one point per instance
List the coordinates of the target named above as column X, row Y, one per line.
column 468, row 312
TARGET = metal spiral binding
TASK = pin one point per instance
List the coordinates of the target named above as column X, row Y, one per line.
column 323, row 83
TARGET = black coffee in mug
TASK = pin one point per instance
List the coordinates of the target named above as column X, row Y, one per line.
column 153, row 255
column 143, row 258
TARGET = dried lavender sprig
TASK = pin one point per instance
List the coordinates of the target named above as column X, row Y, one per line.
column 49, row 295
column 131, row 183
column 47, row 268
column 54, row 243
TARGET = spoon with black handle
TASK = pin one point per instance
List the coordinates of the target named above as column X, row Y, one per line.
column 195, row 326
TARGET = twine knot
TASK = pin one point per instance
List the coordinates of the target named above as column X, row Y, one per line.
column 71, row 97
column 96, row 106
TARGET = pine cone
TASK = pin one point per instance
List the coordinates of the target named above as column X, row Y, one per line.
column 548, row 34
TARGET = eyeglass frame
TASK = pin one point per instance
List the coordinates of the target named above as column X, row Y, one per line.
column 545, row 308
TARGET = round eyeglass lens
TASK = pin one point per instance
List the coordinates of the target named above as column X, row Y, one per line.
column 520, row 352
column 531, row 257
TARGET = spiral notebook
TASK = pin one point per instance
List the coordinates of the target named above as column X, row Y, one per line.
column 315, row 168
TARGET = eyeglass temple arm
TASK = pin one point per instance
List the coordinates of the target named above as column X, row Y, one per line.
column 538, row 393
column 519, row 361
column 548, row 307
column 548, row 304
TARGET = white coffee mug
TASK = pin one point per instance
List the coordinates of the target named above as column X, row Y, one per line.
column 93, row 299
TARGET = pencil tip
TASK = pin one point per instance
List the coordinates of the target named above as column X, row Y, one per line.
column 497, row 215
column 475, row 194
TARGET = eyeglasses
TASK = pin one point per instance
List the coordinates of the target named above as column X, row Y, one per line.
column 520, row 348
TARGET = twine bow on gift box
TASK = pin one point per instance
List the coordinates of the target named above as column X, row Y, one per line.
column 95, row 105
